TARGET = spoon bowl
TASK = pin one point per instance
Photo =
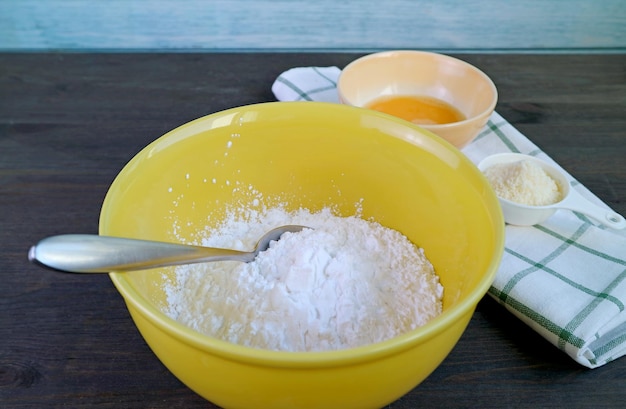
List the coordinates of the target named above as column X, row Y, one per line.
column 91, row 253
column 526, row 215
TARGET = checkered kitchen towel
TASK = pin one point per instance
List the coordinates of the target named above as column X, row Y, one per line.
column 566, row 278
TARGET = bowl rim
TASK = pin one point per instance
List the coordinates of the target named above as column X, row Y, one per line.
column 419, row 53
column 342, row 357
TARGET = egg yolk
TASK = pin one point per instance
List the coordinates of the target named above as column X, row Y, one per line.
column 421, row 110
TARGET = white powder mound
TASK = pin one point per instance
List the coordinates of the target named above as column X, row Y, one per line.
column 344, row 283
column 523, row 182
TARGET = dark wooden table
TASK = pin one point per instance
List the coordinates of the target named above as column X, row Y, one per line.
column 69, row 123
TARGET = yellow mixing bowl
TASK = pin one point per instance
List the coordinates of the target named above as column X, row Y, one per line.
column 309, row 155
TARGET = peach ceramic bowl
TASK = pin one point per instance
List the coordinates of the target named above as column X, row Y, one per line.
column 420, row 73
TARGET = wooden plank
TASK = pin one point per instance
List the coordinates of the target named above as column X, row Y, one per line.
column 488, row 25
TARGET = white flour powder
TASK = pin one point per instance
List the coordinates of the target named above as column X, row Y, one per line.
column 344, row 283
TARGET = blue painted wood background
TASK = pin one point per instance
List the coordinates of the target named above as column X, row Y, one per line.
column 314, row 25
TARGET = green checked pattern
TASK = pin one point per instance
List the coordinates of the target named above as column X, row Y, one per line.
column 307, row 84
column 565, row 278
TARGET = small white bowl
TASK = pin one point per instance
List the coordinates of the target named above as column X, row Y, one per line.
column 525, row 215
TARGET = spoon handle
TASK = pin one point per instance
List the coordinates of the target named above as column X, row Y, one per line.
column 88, row 253
column 576, row 202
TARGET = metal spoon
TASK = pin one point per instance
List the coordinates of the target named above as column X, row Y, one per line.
column 88, row 253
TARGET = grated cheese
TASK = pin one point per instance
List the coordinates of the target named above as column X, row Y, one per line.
column 523, row 182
